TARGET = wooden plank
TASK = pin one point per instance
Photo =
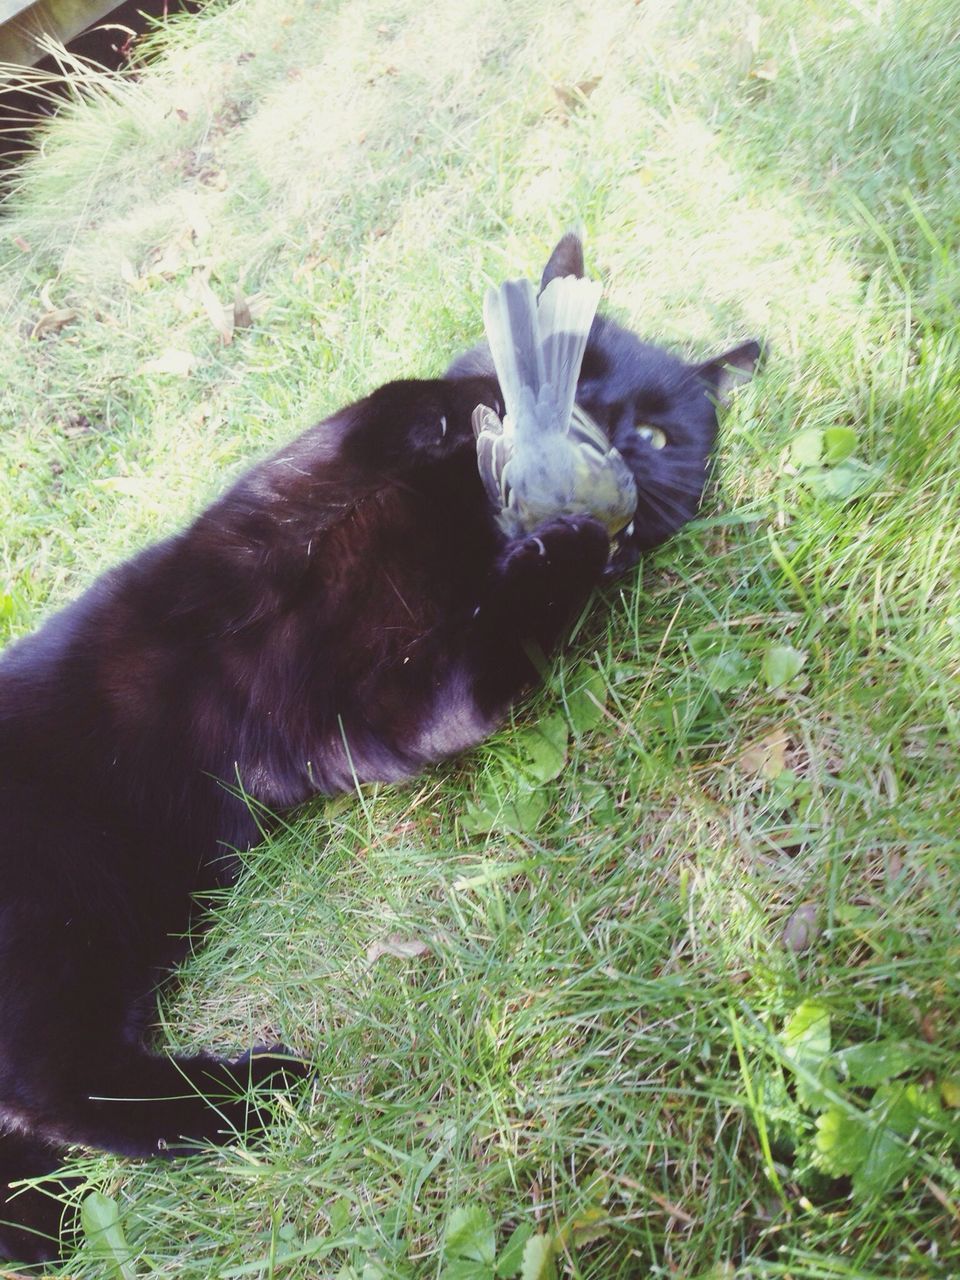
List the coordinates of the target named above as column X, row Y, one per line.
column 21, row 23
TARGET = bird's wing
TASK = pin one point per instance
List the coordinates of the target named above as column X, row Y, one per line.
column 584, row 431
column 493, row 453
column 565, row 313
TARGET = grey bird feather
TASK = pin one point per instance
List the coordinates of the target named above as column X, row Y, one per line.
column 547, row 457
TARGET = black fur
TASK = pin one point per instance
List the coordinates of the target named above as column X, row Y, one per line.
column 347, row 611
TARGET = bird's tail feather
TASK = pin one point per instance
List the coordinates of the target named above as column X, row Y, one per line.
column 510, row 320
column 567, row 307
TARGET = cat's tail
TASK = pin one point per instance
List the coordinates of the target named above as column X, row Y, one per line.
column 133, row 1104
column 30, row 1217
column 141, row 1104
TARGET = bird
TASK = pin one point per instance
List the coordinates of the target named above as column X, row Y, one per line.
column 546, row 457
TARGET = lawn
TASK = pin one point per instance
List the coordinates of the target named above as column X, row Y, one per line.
column 663, row 981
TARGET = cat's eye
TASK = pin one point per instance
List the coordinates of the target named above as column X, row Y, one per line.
column 654, row 435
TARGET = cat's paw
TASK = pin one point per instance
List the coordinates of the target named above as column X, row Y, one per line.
column 465, row 394
column 443, row 422
column 572, row 544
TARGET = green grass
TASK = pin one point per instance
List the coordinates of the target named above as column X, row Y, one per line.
column 593, row 1040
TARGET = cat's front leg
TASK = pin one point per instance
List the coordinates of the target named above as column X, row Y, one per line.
column 540, row 583
column 412, row 422
column 448, row 690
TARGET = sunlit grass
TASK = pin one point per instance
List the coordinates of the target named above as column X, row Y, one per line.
column 588, row 1043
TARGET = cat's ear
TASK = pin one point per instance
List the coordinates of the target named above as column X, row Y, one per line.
column 566, row 260
column 725, row 373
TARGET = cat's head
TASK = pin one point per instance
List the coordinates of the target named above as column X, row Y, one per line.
column 659, row 411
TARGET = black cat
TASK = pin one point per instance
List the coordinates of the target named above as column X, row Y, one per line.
column 348, row 611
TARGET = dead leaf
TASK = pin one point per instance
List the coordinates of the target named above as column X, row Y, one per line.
column 573, row 96
column 591, row 1224
column 396, row 945
column 930, row 1025
column 173, row 361
column 748, row 45
column 194, row 215
column 77, row 425
column 201, row 413
column 53, row 321
column 168, row 260
column 766, row 756
column 242, row 315
column 219, row 315
column 767, row 70
column 128, row 274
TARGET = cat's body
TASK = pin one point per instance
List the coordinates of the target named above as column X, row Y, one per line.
column 348, row 611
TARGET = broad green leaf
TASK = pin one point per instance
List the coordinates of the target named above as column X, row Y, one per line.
column 886, row 1161
column 725, row 671
column 374, row 1269
column 470, row 1235
column 806, row 1047
column 780, row 664
column 100, row 1219
column 871, row 1064
column 950, row 1092
column 519, row 810
column 841, row 1142
column 807, row 1030
column 806, row 447
column 465, row 1269
column 340, row 1216
column 526, row 809
column 595, row 797
column 862, row 1148
column 477, row 820
column 902, row 1106
column 538, row 1263
column 511, row 1255
column 586, row 703
column 542, row 749
column 848, row 480
column 838, row 443
column 870, row 1147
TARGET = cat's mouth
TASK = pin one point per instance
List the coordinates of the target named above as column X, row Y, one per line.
column 624, row 553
